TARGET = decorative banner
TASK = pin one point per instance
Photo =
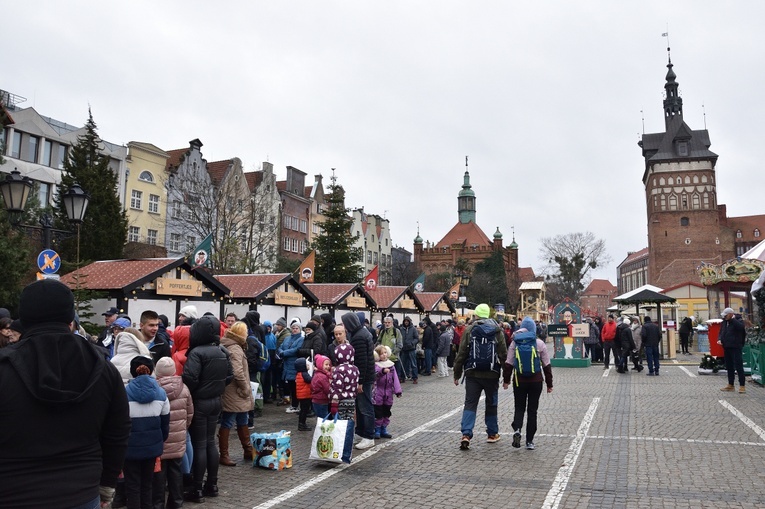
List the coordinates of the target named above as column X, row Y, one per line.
column 567, row 312
column 743, row 271
column 202, row 253
column 371, row 279
column 288, row 298
column 356, row 302
column 419, row 284
column 307, row 268
column 454, row 292
column 181, row 287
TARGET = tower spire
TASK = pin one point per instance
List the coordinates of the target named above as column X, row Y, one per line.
column 673, row 103
column 466, row 199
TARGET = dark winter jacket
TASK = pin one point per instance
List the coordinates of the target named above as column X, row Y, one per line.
column 328, row 325
column 149, row 418
column 160, row 347
column 410, row 336
column 65, row 420
column 252, row 319
column 363, row 346
column 732, row 333
column 462, row 353
column 207, row 370
column 313, row 341
column 623, row 339
column 428, row 338
column 651, row 333
column 685, row 325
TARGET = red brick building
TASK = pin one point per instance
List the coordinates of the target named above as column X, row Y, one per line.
column 597, row 297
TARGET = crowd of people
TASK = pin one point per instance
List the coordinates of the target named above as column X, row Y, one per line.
column 161, row 404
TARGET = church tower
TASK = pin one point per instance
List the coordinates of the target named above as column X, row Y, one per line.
column 681, row 196
column 466, row 199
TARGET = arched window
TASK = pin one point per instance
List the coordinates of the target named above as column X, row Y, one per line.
column 684, row 221
column 678, row 181
column 687, row 179
column 756, row 233
column 663, row 202
column 695, row 179
column 703, row 179
column 706, row 200
column 695, row 201
column 661, row 181
column 146, row 176
column 672, row 202
column 738, row 234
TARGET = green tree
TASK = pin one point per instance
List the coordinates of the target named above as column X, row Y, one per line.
column 104, row 229
column 16, row 261
column 336, row 258
column 286, row 265
column 489, row 282
column 570, row 258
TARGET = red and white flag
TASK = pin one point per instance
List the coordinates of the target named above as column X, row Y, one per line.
column 370, row 281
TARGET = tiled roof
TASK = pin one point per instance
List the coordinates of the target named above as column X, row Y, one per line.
column 253, row 178
column 217, row 170
column 331, row 293
column 429, row 300
column 526, row 274
column 599, row 287
column 116, row 274
column 385, row 296
column 465, row 233
column 635, row 256
column 245, row 286
column 175, row 158
column 687, row 283
column 747, row 225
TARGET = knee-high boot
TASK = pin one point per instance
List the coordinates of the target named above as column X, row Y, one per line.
column 223, row 435
column 244, row 438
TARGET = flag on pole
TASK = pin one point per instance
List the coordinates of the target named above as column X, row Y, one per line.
column 370, row 281
column 307, row 268
column 202, row 253
column 419, row 283
column 454, row 292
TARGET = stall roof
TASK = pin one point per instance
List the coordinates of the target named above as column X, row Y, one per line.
column 429, row 301
column 255, row 286
column 385, row 296
column 637, row 290
column 645, row 296
column 331, row 294
column 128, row 275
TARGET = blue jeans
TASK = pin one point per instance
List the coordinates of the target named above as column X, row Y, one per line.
column 409, row 357
column 228, row 419
column 652, row 358
column 365, row 412
column 93, row 504
column 734, row 363
column 473, row 388
column 427, row 364
column 320, row 410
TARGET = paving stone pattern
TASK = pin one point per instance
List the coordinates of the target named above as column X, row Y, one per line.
column 653, row 442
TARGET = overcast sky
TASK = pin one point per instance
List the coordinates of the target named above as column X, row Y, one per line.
column 545, row 97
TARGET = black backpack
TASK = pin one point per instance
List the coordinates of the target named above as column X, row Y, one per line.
column 482, row 350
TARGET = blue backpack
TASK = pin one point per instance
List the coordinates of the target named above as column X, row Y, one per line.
column 527, row 361
column 482, row 350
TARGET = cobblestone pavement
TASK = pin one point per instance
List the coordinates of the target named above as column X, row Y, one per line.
column 605, row 440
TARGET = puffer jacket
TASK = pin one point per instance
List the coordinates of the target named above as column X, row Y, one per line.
column 149, row 418
column 288, row 352
column 207, row 370
column 181, row 413
column 126, row 347
column 180, row 347
column 363, row 345
column 314, row 343
column 238, row 396
column 302, row 379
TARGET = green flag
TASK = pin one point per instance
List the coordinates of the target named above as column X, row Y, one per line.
column 202, row 253
column 419, row 284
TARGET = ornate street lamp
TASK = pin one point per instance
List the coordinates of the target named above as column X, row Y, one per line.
column 76, row 202
column 15, row 189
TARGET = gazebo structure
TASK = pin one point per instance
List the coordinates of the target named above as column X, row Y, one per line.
column 643, row 296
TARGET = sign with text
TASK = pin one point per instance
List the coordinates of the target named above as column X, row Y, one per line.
column 580, row 330
column 180, row 287
column 288, row 298
column 356, row 302
column 406, row 304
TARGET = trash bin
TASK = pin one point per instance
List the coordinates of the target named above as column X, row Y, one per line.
column 702, row 340
column 714, row 332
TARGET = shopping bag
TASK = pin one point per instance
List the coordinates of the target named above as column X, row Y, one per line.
column 257, row 392
column 332, row 440
column 272, row 450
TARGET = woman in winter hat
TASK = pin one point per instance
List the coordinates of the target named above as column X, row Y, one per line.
column 237, row 398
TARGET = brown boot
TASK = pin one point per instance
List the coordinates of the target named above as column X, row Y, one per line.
column 223, row 435
column 244, row 437
column 728, row 388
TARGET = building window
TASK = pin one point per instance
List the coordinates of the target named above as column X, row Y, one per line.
column 369, row 256
column 756, row 233
column 47, row 152
column 661, row 181
column 695, row 201
column 673, row 202
column 154, row 203
column 151, row 237
column 191, row 242
column 738, row 234
column 294, row 243
column 684, row 221
column 303, row 226
column 285, row 221
column 682, row 149
column 286, row 243
column 134, row 233
column 175, row 242
column 146, row 176
column 294, row 225
column 705, row 200
column 16, row 146
column 302, row 246
column 315, row 228
column 135, row 199
column 61, row 157
column 374, row 257
column 43, row 193
column 176, row 211
column 33, row 142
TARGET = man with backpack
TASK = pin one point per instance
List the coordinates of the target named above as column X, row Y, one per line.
column 481, row 348
column 527, row 359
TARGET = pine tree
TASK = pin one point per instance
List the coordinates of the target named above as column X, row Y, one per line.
column 104, row 229
column 336, row 258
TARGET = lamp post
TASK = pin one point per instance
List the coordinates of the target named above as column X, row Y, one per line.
column 15, row 190
column 464, row 280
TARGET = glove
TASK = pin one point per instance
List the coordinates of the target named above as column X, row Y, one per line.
column 107, row 495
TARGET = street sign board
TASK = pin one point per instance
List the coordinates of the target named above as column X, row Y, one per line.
column 48, row 261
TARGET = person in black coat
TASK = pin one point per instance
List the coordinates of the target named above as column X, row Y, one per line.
column 65, row 411
column 314, row 342
column 732, row 338
column 363, row 345
column 206, row 373
column 428, row 345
